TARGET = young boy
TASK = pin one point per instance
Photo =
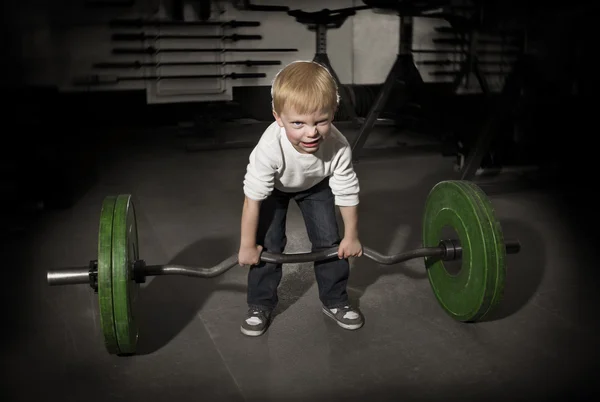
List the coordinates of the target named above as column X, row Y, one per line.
column 300, row 156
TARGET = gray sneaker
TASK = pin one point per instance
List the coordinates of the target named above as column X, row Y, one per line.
column 256, row 322
column 346, row 317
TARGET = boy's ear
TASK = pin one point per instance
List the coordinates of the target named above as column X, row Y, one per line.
column 278, row 119
column 334, row 111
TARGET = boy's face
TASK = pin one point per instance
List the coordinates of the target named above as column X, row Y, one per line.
column 306, row 132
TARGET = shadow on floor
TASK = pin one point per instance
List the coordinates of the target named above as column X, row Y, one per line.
column 169, row 303
column 524, row 270
column 293, row 286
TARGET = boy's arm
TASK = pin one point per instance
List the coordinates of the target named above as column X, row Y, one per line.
column 345, row 187
column 258, row 184
column 344, row 181
column 350, row 217
column 249, row 252
column 250, row 212
column 350, row 245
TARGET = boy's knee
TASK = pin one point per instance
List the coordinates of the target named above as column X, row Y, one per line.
column 325, row 243
column 274, row 245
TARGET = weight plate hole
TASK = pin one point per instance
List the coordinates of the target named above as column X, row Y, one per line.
column 453, row 267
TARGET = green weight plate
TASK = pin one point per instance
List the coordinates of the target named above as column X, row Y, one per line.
column 477, row 288
column 105, row 297
column 125, row 290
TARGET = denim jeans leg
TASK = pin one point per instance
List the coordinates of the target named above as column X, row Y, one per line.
column 318, row 209
column 264, row 278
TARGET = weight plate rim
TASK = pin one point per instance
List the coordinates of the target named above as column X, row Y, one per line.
column 499, row 248
column 126, row 328
column 438, row 276
column 104, row 266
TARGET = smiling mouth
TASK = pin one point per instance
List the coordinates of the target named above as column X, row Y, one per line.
column 311, row 143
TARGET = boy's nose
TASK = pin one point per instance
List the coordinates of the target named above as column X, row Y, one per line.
column 312, row 132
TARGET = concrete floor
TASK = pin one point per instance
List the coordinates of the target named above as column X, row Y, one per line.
column 541, row 343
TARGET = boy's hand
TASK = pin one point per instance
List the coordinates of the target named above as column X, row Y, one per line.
column 349, row 247
column 249, row 255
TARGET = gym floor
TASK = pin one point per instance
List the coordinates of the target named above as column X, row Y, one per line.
column 540, row 343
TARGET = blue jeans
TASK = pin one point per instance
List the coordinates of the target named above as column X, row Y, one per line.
column 318, row 209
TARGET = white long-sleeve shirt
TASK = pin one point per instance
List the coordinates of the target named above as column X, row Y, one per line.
column 275, row 163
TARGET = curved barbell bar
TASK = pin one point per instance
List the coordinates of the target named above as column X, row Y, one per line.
column 446, row 250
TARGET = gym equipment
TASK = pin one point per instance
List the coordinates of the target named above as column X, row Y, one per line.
column 138, row 64
column 144, row 36
column 153, row 50
column 464, row 42
column 247, row 6
column 467, row 296
column 319, row 22
column 458, row 72
column 403, row 72
column 98, row 79
column 510, row 52
column 448, row 62
column 138, row 23
column 498, row 114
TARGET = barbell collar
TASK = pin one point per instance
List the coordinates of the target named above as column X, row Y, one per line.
column 452, row 249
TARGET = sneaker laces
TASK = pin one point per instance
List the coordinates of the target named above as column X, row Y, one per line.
column 255, row 319
column 350, row 314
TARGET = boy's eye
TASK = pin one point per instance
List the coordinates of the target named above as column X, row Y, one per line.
column 296, row 123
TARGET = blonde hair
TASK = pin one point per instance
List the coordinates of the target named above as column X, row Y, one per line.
column 305, row 86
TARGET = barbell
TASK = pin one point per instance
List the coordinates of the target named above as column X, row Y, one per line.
column 467, row 296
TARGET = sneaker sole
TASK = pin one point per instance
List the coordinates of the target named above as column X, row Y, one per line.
column 250, row 332
column 341, row 324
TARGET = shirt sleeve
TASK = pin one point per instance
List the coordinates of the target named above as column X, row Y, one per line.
column 344, row 182
column 259, row 179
